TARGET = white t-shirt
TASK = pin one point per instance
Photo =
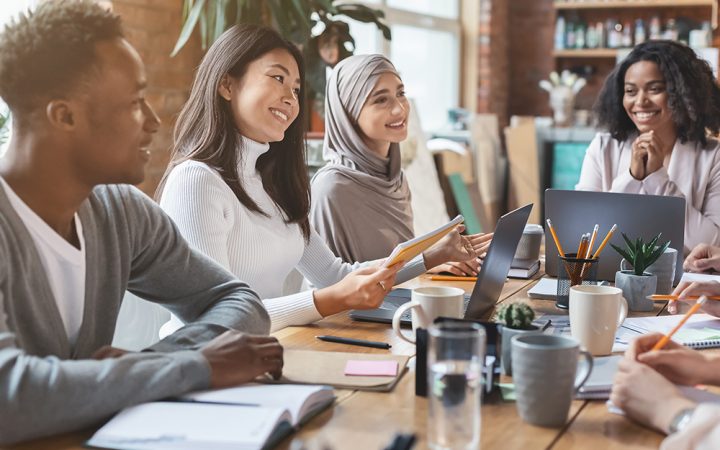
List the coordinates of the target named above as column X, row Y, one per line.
column 63, row 263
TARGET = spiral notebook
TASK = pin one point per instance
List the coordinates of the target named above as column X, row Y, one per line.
column 700, row 331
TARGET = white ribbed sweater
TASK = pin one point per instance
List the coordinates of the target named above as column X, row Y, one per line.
column 259, row 250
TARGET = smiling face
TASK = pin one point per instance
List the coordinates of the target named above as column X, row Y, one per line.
column 383, row 118
column 265, row 100
column 645, row 97
column 113, row 125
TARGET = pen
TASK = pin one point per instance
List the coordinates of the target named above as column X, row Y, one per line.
column 451, row 278
column 665, row 339
column 674, row 298
column 351, row 341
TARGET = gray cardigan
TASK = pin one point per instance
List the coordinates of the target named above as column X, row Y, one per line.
column 45, row 386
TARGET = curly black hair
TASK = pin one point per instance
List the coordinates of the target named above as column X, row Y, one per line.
column 693, row 93
column 47, row 52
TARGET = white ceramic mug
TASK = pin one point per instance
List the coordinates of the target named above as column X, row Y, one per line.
column 428, row 303
column 596, row 312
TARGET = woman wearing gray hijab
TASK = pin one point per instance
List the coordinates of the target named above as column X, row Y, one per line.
column 361, row 198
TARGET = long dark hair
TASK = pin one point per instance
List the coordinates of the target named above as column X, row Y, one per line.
column 205, row 130
column 693, row 93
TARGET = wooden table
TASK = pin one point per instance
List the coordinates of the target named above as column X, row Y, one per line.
column 368, row 420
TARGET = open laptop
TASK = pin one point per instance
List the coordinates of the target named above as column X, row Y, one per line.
column 490, row 280
column 576, row 212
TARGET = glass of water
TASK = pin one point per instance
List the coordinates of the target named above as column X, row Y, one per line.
column 456, row 355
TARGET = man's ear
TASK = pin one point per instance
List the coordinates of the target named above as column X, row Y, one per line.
column 60, row 114
column 225, row 87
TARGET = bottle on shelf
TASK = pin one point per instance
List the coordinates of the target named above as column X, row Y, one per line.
column 580, row 35
column 640, row 36
column 560, row 33
column 671, row 30
column 655, row 28
column 626, row 39
column 570, row 35
column 600, row 33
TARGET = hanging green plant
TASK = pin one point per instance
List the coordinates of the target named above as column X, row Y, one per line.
column 295, row 20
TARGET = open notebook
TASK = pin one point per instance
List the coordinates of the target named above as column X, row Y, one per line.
column 700, row 331
column 250, row 417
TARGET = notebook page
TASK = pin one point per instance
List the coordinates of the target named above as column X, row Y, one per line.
column 700, row 327
column 171, row 425
column 296, row 398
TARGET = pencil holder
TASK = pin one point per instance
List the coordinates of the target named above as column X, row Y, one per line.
column 571, row 272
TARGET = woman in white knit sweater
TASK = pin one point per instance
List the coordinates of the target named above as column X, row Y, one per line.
column 237, row 185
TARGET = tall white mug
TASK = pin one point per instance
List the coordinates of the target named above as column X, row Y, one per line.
column 428, row 303
column 596, row 312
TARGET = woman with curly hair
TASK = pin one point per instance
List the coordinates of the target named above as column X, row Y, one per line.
column 660, row 107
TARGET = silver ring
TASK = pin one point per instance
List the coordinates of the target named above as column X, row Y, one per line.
column 382, row 285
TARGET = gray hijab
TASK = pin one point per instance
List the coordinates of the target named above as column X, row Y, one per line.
column 360, row 201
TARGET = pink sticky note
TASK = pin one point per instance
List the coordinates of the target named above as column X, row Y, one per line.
column 371, row 368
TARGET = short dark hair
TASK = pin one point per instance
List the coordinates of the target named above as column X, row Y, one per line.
column 46, row 52
column 205, row 130
column 693, row 93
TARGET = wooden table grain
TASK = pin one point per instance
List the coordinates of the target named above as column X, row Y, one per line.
column 368, row 420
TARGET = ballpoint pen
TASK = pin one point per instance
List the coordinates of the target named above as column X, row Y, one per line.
column 351, row 341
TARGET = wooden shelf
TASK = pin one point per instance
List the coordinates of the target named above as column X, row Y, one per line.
column 586, row 53
column 614, row 4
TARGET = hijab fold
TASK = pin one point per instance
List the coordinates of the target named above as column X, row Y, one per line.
column 360, row 200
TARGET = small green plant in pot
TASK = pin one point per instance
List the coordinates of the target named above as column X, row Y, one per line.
column 637, row 284
column 516, row 318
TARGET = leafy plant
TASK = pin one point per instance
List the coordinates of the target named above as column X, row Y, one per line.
column 294, row 19
column 640, row 254
column 4, row 121
column 518, row 315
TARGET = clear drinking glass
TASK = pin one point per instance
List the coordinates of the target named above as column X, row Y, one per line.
column 456, row 354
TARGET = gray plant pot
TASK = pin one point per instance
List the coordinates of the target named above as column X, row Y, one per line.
column 507, row 335
column 636, row 289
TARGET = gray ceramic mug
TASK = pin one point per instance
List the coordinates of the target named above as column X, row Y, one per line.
column 544, row 373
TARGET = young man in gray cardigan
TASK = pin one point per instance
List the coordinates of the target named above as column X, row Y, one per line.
column 74, row 235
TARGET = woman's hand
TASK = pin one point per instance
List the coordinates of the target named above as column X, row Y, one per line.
column 687, row 289
column 677, row 363
column 646, row 396
column 647, row 155
column 469, row 268
column 457, row 248
column 703, row 258
column 362, row 289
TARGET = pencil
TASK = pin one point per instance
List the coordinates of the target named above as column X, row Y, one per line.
column 555, row 238
column 665, row 339
column 674, row 298
column 451, row 278
column 604, row 242
column 592, row 240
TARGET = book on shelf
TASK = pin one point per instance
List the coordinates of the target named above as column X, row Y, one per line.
column 524, row 268
column 250, row 417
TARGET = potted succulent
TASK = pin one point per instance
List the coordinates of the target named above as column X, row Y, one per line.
column 516, row 318
column 637, row 284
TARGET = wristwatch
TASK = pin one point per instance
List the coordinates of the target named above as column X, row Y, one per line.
column 681, row 419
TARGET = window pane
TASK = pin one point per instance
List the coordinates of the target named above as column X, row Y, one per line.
column 367, row 36
column 443, row 8
column 428, row 64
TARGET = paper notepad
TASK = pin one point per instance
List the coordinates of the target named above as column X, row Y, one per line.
column 412, row 248
column 700, row 331
column 371, row 368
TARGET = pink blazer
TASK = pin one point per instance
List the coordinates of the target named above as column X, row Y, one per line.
column 693, row 173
